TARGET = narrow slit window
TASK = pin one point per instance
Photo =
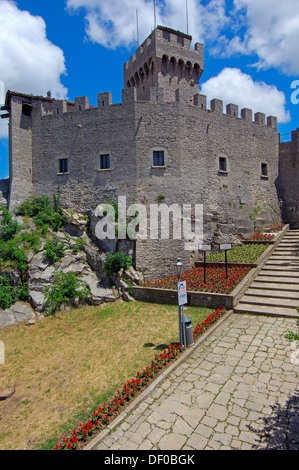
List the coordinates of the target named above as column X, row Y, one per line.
column 158, row 158
column 222, row 164
column 63, row 165
column 264, row 169
column 105, row 162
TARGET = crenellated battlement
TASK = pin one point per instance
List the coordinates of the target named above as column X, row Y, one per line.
column 57, row 108
column 164, row 58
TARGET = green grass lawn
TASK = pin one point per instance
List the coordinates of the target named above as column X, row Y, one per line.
column 65, row 365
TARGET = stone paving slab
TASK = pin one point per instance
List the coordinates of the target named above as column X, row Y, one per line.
column 238, row 390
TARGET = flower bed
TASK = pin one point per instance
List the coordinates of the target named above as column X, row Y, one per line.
column 262, row 236
column 106, row 412
column 277, row 228
column 216, row 280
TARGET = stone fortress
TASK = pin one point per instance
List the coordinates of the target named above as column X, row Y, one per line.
column 161, row 143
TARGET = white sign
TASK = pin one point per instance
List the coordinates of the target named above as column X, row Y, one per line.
column 226, row 247
column 204, row 247
column 182, row 292
column 2, row 353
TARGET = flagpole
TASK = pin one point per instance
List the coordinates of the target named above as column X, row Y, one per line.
column 155, row 13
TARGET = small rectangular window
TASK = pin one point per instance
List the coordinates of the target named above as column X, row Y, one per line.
column 63, row 165
column 158, row 158
column 26, row 110
column 264, row 169
column 222, row 164
column 105, row 162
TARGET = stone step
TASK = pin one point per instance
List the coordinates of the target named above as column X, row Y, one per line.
column 284, row 251
column 275, row 285
column 273, row 293
column 266, row 310
column 281, row 268
column 269, row 301
column 272, row 277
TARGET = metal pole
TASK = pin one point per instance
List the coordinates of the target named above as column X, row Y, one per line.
column 183, row 328
column 155, row 13
column 204, row 266
column 226, row 262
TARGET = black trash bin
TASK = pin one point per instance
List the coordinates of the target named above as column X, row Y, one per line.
column 188, row 331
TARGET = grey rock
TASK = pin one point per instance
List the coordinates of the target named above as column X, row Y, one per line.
column 18, row 312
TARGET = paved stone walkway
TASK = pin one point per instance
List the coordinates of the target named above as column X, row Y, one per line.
column 238, row 390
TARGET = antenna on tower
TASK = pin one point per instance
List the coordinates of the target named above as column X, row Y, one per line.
column 137, row 28
column 187, row 17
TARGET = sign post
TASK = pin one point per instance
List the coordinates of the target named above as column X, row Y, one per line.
column 204, row 248
column 226, row 247
column 182, row 298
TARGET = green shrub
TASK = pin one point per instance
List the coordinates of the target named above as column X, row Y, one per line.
column 116, row 261
column 29, row 240
column 9, row 294
column 54, row 249
column 44, row 213
column 12, row 255
column 66, row 288
column 8, row 226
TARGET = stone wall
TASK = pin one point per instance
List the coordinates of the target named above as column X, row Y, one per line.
column 287, row 184
column 193, row 139
column 20, row 152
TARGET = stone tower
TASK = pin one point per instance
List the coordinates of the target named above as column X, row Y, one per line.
column 165, row 63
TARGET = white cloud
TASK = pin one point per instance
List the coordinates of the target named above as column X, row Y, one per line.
column 29, row 62
column 113, row 24
column 234, row 86
column 268, row 28
column 271, row 32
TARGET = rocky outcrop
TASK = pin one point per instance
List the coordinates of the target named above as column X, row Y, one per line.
column 41, row 273
column 82, row 256
column 18, row 312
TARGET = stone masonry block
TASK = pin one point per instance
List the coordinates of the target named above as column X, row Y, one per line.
column 217, row 106
column 246, row 114
column 259, row 118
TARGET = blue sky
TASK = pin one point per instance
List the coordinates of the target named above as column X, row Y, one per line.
column 78, row 47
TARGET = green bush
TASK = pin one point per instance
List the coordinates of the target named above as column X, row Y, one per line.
column 54, row 249
column 29, row 240
column 8, row 294
column 44, row 213
column 12, row 255
column 116, row 261
column 8, row 226
column 66, row 288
